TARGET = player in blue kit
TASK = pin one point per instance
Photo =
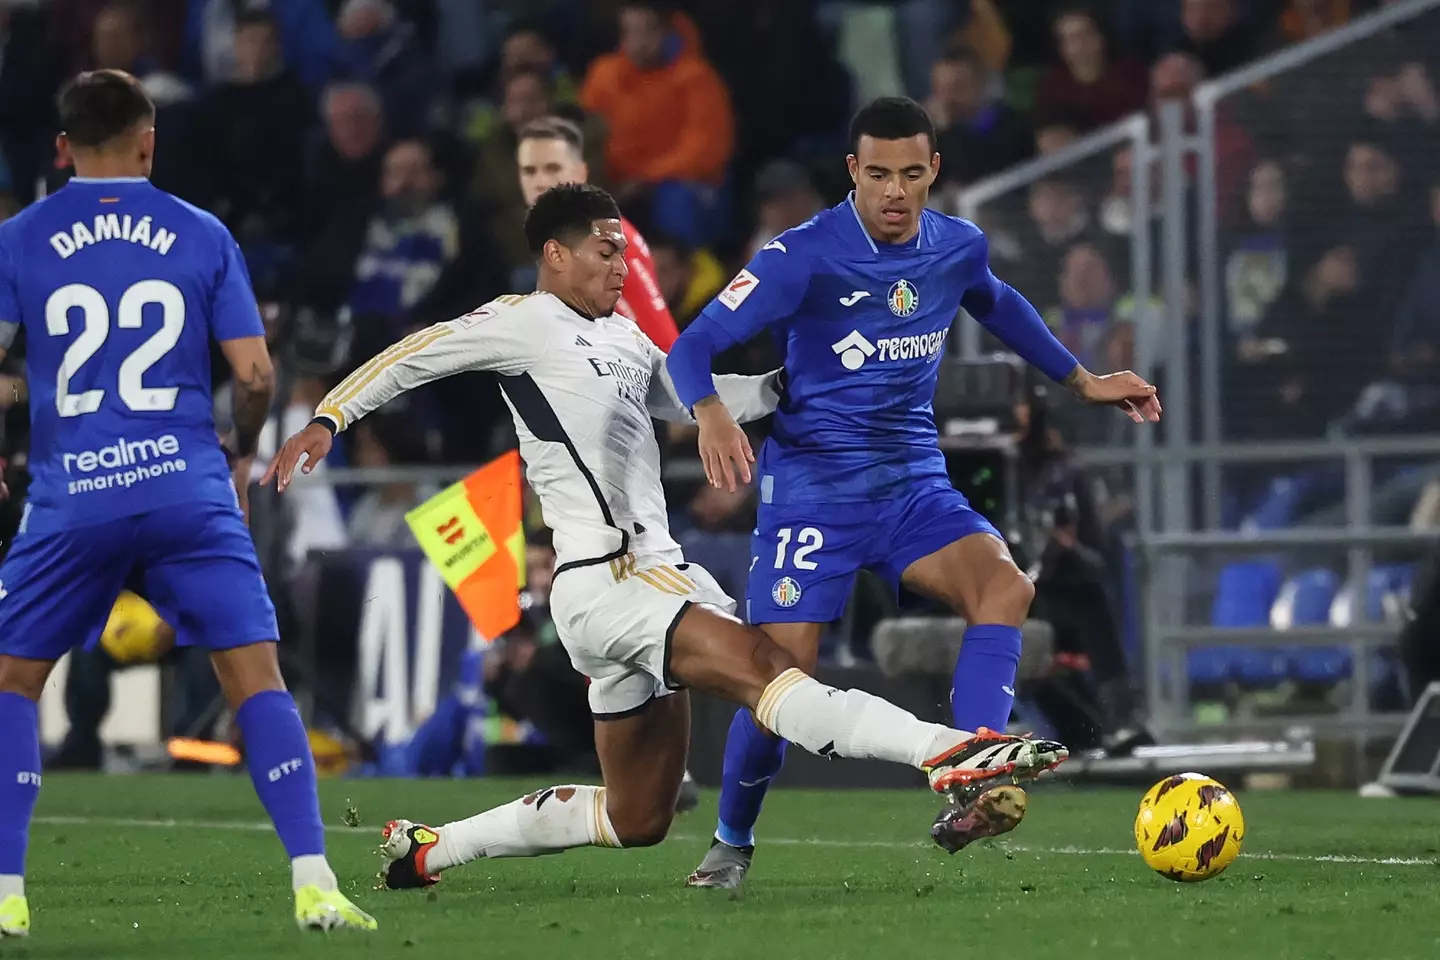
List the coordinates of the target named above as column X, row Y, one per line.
column 861, row 300
column 119, row 288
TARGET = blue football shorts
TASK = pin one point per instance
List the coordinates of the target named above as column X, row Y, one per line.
column 804, row 557
column 196, row 561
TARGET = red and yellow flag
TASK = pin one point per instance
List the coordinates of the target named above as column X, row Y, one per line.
column 472, row 532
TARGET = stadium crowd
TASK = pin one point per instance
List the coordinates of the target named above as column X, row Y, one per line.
column 362, row 151
column 363, row 154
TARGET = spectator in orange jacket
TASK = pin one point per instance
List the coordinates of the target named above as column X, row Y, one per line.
column 672, row 130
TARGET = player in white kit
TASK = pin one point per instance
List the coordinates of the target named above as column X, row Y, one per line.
column 583, row 385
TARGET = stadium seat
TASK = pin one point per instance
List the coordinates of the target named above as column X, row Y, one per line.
column 1282, row 502
column 1244, row 592
column 1386, row 586
column 1305, row 601
column 1328, row 665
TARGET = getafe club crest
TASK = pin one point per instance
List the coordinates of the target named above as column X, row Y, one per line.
column 786, row 592
column 903, row 298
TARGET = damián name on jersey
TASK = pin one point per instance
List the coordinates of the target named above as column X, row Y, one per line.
column 110, row 226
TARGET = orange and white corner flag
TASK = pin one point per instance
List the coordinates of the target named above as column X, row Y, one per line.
column 472, row 532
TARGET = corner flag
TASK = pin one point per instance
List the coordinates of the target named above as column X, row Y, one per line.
column 471, row 532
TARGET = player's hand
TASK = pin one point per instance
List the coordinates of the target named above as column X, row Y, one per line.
column 724, row 448
column 313, row 444
column 1125, row 390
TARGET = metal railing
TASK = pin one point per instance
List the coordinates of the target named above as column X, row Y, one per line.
column 1171, row 562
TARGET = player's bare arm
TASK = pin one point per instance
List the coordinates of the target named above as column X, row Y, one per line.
column 251, row 399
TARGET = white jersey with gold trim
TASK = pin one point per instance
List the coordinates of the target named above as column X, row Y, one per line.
column 583, row 393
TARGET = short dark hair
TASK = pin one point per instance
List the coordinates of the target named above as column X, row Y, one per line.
column 554, row 128
column 891, row 118
column 566, row 213
column 99, row 105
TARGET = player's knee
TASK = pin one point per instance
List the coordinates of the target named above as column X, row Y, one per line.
column 25, row 677
column 771, row 659
column 1007, row 598
column 642, row 828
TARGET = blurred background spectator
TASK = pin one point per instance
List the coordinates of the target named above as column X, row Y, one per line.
column 978, row 133
column 669, row 118
column 1089, row 83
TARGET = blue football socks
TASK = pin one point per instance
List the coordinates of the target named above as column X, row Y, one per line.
column 277, row 750
column 752, row 759
column 983, row 689
column 19, row 779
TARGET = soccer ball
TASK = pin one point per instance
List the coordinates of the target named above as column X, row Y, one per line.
column 1189, row 827
column 135, row 633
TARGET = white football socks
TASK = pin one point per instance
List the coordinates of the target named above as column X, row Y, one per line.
column 312, row 870
column 849, row 723
column 11, row 884
column 548, row 821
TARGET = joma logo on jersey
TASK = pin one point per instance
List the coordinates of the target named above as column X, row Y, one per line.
column 854, row 350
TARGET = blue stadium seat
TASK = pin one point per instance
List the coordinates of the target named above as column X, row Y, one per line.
column 1244, row 593
column 1305, row 601
column 1388, row 587
column 1384, row 586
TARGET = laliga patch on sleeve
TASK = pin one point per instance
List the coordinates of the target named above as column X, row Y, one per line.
column 475, row 316
column 738, row 289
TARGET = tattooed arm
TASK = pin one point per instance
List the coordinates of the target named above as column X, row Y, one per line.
column 252, row 393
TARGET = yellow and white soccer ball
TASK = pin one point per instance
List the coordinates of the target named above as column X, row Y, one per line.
column 135, row 633
column 1189, row 827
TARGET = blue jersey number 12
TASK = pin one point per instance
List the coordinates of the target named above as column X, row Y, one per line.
column 808, row 541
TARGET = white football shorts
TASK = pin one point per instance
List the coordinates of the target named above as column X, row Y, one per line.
column 616, row 620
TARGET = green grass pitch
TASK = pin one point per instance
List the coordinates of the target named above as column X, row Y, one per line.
column 184, row 867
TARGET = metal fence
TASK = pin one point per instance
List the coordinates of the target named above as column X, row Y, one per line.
column 1068, row 230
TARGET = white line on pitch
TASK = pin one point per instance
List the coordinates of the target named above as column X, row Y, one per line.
column 258, row 827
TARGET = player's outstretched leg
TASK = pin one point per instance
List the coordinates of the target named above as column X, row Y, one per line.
column 21, row 682
column 277, row 752
column 642, row 757
column 717, row 654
